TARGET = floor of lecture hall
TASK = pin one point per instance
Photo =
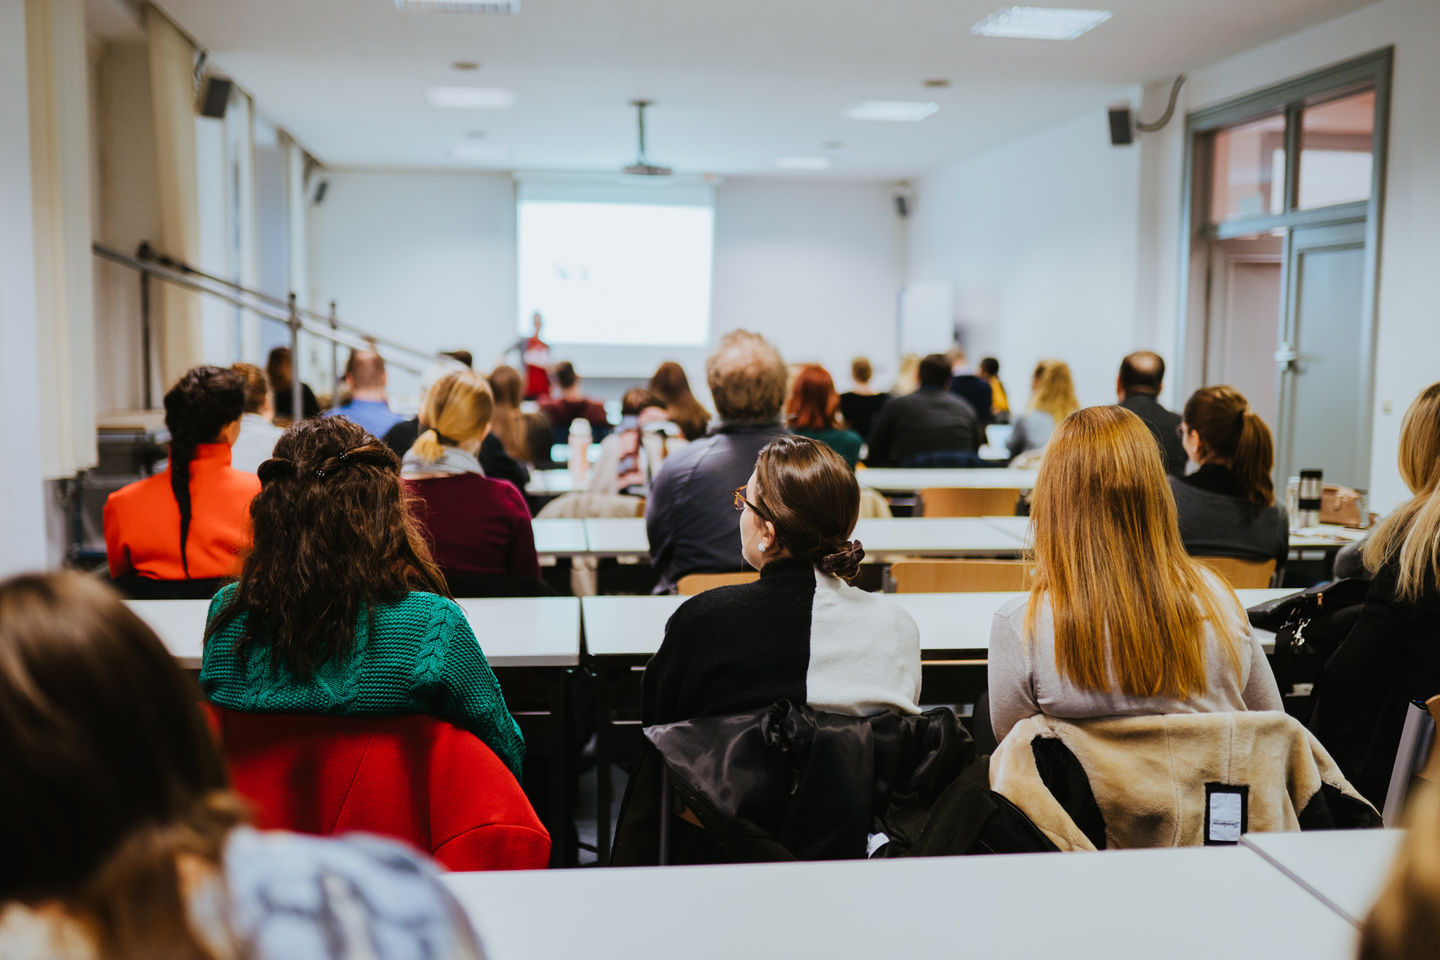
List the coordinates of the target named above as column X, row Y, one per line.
column 584, row 810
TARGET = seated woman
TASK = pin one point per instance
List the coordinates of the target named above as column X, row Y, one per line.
column 860, row 405
column 670, row 384
column 339, row 609
column 1052, row 399
column 811, row 409
column 1392, row 654
column 801, row 632
column 474, row 524
column 191, row 520
column 1227, row 507
column 1120, row 621
column 631, row 456
column 121, row 837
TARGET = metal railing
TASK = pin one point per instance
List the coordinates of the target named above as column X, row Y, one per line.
column 327, row 326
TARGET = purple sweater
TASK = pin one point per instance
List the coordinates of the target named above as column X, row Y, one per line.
column 476, row 524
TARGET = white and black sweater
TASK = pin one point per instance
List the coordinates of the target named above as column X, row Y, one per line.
column 795, row 634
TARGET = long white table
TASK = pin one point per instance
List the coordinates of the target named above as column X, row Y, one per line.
column 1190, row 904
column 550, row 483
column 560, row 538
column 513, row 631
column 634, row 626
column 898, row 480
column 1344, row 868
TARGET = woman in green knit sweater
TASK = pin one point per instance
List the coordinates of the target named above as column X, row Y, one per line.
column 339, row 609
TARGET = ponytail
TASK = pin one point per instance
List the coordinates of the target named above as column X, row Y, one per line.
column 457, row 408
column 1231, row 432
column 1253, row 459
column 428, row 447
column 196, row 410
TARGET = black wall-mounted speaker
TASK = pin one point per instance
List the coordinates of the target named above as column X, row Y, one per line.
column 215, row 98
column 1122, row 126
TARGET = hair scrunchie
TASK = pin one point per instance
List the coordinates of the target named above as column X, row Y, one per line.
column 844, row 562
column 274, row 469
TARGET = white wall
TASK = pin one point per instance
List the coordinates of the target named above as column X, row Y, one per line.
column 430, row 259
column 1039, row 238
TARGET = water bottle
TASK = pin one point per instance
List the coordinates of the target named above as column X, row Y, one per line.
column 1312, row 486
column 580, row 435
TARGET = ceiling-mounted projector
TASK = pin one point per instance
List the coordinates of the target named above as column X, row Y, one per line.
column 642, row 167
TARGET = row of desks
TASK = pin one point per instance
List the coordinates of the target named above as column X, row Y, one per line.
column 903, row 482
column 1274, row 895
column 626, row 537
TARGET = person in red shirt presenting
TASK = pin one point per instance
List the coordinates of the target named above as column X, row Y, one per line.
column 537, row 363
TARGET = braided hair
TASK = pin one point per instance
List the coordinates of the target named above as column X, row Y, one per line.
column 196, row 409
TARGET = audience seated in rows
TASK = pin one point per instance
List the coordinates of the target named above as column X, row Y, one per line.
column 122, row 838
column 191, row 520
column 280, row 369
column 969, row 386
column 860, row 404
column 989, row 371
column 670, row 384
column 1227, row 506
column 1120, row 621
column 473, row 523
column 1392, row 655
column 1142, row 377
column 365, row 378
column 571, row 404
column 632, row 455
column 800, row 633
column 687, row 515
column 1052, row 399
column 928, row 428
column 339, row 608
column 258, row 432
column 811, row 410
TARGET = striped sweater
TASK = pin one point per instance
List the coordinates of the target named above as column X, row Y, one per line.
column 795, row 634
column 418, row 656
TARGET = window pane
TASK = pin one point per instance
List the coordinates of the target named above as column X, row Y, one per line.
column 1335, row 143
column 1249, row 167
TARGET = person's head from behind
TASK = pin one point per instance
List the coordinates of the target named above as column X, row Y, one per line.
column 747, row 377
column 1142, row 372
column 1109, row 561
column 204, row 407
column 934, row 371
column 507, row 386
column 989, row 367
column 257, row 390
column 1410, row 536
column 565, row 376
column 801, row 501
column 456, row 413
column 1052, row 391
column 463, row 357
column 365, row 375
column 643, row 405
column 279, row 367
column 861, row 371
column 813, row 400
column 108, row 773
column 333, row 536
column 536, row 322
column 1219, row 427
column 670, row 383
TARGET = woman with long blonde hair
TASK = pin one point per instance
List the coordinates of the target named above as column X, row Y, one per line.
column 1052, row 399
column 1392, row 654
column 1120, row 620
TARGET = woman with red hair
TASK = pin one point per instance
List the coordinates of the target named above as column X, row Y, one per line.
column 812, row 409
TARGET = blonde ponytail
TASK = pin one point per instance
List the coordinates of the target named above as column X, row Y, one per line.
column 457, row 409
column 428, row 447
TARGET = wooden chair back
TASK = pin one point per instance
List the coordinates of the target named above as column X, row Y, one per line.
column 968, row 501
column 1242, row 574
column 693, row 583
column 960, row 576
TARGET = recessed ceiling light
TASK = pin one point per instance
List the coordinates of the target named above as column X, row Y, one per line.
column 895, row 111
column 470, row 98
column 464, row 65
column 508, row 7
column 1040, row 23
column 478, row 151
column 803, row 163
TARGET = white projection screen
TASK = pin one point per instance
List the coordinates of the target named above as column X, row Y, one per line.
column 616, row 265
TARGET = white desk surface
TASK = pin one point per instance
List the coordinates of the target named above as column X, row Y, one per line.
column 551, row 482
column 513, row 631
column 1325, row 535
column 626, row 536
column 1189, row 904
column 894, row 480
column 560, row 538
column 1345, row 867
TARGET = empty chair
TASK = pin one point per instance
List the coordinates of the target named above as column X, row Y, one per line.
column 416, row 778
column 694, row 583
column 960, row 576
column 1242, row 574
column 968, row 501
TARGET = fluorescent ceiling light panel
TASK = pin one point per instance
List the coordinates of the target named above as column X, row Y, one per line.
column 1040, row 23
column 509, row 7
column 803, row 163
column 470, row 98
column 483, row 152
column 894, row 111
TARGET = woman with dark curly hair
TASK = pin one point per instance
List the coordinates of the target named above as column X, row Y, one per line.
column 339, row 609
column 801, row 632
column 188, row 521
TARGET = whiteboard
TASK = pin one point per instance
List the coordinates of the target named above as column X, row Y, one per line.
column 927, row 318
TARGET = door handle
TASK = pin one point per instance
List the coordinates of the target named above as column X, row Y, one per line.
column 1286, row 356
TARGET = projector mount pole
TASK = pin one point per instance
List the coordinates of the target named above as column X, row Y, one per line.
column 640, row 106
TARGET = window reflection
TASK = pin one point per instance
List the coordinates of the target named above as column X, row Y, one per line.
column 1249, row 170
column 1336, row 143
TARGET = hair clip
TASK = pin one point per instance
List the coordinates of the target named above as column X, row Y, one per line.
column 343, row 456
column 319, row 474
